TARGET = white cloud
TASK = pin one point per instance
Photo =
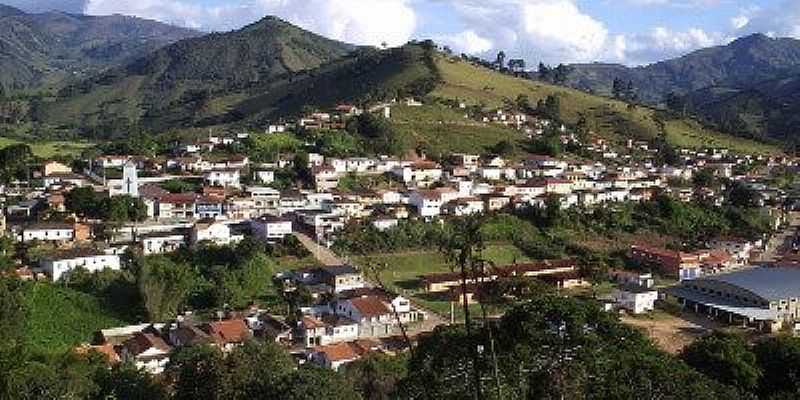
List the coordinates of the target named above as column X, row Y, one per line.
column 782, row 20
column 549, row 30
column 467, row 42
column 361, row 22
column 662, row 43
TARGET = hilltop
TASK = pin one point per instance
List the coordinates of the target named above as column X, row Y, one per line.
column 272, row 69
column 190, row 80
column 41, row 51
column 746, row 60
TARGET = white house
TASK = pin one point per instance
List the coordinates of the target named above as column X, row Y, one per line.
column 384, row 224
column 223, row 177
column 147, row 351
column 211, row 231
column 420, row 174
column 264, row 176
column 159, row 243
column 271, row 229
column 636, row 299
column 427, row 202
column 375, row 317
column 48, row 232
column 59, row 264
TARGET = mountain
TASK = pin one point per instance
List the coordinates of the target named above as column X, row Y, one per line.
column 272, row 69
column 198, row 79
column 744, row 61
column 43, row 50
column 766, row 109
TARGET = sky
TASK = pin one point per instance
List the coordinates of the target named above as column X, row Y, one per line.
column 631, row 32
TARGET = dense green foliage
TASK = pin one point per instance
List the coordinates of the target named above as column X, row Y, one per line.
column 552, row 348
column 86, row 202
column 726, row 358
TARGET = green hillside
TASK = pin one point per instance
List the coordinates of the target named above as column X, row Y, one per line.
column 59, row 318
column 40, row 51
column 190, row 82
column 272, row 69
column 612, row 119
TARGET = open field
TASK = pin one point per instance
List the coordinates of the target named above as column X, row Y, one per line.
column 49, row 149
column 402, row 271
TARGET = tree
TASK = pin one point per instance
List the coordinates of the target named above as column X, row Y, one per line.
column 618, row 89
column 313, row 383
column 740, row 195
column 126, row 382
column 725, row 358
column 704, row 178
column 516, row 65
column 376, row 375
column 198, row 372
column 544, row 72
column 164, row 286
column 501, row 60
column 561, row 74
column 779, row 361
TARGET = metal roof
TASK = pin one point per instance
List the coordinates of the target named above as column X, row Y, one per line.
column 769, row 283
column 724, row 304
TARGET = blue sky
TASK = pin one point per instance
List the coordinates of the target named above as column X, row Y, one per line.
column 632, row 32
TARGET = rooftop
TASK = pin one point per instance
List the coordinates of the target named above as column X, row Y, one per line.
column 769, row 283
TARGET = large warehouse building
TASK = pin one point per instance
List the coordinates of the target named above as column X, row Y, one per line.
column 763, row 297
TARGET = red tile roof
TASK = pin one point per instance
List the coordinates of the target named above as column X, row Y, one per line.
column 370, row 306
column 230, row 331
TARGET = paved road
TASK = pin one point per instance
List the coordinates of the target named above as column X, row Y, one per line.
column 780, row 243
column 323, row 254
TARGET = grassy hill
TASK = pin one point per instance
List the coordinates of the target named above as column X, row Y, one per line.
column 612, row 119
column 59, row 318
column 273, row 69
column 191, row 82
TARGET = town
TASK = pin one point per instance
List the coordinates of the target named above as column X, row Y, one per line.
column 206, row 193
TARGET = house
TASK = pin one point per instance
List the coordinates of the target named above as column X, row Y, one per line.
column 273, row 328
column 211, row 231
column 59, row 264
column 427, row 202
column 177, row 206
column 54, row 167
column 335, row 355
column 738, row 248
column 265, row 177
column 636, row 298
column 342, row 277
column 228, row 334
column 464, row 206
column 374, row 316
column 385, row 223
column 49, row 232
column 188, row 335
column 325, row 178
column 271, row 229
column 146, row 351
column 419, row 174
column 223, row 177
column 209, row 206
column 162, row 242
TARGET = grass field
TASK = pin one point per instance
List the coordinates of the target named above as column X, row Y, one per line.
column 403, row 270
column 59, row 318
column 609, row 118
column 445, row 130
column 49, row 149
